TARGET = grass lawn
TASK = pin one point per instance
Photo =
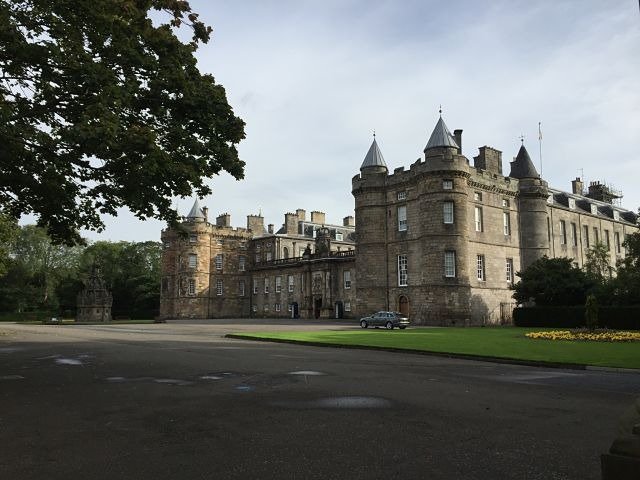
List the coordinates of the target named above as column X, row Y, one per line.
column 498, row 342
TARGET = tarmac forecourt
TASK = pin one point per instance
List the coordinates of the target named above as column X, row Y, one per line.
column 499, row 344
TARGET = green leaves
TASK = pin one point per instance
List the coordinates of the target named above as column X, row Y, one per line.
column 100, row 108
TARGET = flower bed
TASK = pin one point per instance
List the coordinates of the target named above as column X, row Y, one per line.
column 587, row 335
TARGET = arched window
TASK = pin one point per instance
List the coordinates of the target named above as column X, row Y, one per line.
column 285, row 252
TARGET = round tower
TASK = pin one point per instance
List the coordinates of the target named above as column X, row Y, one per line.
column 369, row 191
column 532, row 208
column 444, row 197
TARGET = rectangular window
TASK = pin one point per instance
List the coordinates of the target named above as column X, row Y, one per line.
column 480, row 267
column 290, row 282
column 243, row 244
column 586, row 236
column 347, row 279
column 338, row 236
column 277, row 307
column 563, row 233
column 347, row 306
column 447, row 184
column 219, row 261
column 402, row 195
column 606, row 239
column 257, row 258
column 506, row 223
column 219, row 287
column 402, row 271
column 596, row 237
column 574, row 234
column 505, row 203
column 254, row 308
column 219, row 241
column 402, row 218
column 241, row 288
column 478, row 219
column 269, row 256
column 266, row 285
column 242, row 261
column 193, row 260
column 616, row 237
column 278, row 284
column 450, row 263
column 255, row 286
column 509, row 270
column 572, row 204
column 477, row 196
column 447, row 210
column 191, row 288
column 594, row 209
column 193, row 238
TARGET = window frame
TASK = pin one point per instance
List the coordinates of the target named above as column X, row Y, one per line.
column 403, row 271
column 450, row 264
column 481, row 273
column 448, row 215
column 402, row 218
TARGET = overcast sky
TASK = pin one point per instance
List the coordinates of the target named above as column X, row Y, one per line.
column 313, row 79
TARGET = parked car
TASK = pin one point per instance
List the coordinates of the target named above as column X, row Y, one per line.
column 389, row 320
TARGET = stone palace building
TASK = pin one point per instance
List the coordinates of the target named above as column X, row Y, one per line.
column 440, row 241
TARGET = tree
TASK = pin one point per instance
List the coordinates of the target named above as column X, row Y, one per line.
column 597, row 264
column 627, row 281
column 36, row 266
column 102, row 109
column 552, row 281
column 8, row 231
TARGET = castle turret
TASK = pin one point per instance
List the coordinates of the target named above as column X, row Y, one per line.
column 369, row 191
column 532, row 205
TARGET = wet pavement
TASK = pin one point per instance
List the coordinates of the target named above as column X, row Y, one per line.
column 178, row 400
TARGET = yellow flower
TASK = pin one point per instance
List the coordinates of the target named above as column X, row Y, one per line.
column 598, row 336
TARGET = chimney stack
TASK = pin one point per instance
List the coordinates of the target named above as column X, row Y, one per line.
column 291, row 223
column 223, row 220
column 348, row 221
column 318, row 217
column 302, row 214
column 577, row 186
column 457, row 134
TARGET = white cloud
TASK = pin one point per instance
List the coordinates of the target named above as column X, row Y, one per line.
column 312, row 80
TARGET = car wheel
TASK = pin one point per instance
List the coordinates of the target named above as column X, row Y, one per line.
column 389, row 326
column 364, row 324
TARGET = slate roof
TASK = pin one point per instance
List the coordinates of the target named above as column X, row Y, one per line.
column 374, row 157
column 522, row 166
column 441, row 137
column 196, row 210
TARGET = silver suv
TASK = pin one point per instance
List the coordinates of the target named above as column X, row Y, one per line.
column 389, row 320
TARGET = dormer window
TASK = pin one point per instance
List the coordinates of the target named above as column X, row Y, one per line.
column 594, row 209
column 339, row 236
column 572, row 203
column 616, row 215
column 550, row 199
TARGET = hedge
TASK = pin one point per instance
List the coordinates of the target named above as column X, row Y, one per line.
column 617, row 318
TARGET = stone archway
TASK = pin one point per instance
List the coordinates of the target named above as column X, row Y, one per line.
column 403, row 305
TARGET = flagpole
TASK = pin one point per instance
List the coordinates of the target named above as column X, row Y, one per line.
column 540, row 144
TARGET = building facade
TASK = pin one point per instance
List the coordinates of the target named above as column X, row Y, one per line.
column 440, row 241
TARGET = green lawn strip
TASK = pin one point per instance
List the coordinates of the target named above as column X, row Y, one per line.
column 502, row 343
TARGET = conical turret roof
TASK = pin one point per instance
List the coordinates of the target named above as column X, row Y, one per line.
column 196, row 211
column 441, row 137
column 522, row 166
column 374, row 157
